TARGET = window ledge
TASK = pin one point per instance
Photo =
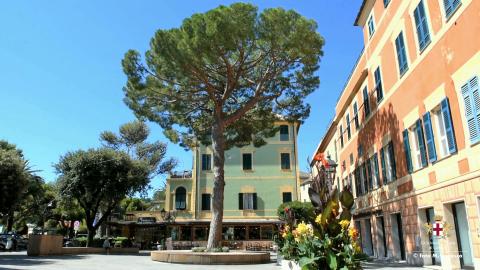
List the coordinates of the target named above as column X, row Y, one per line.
column 248, row 171
column 286, row 170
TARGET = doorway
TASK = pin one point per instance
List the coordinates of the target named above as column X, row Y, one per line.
column 433, row 240
column 397, row 236
column 381, row 238
column 463, row 234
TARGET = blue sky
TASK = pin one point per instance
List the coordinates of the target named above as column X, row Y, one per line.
column 61, row 78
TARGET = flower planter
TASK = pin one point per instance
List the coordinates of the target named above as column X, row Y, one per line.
column 290, row 265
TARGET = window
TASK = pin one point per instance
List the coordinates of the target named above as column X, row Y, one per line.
column 442, row 128
column 206, row 201
column 247, row 161
column 471, row 98
column 355, row 112
column 375, row 175
column 371, row 26
column 349, row 132
column 287, row 197
column 414, row 146
column 284, row 133
column 401, row 54
column 385, row 3
column 418, row 142
column 285, row 161
column 422, row 26
column 247, row 201
column 429, row 138
column 341, row 136
column 387, row 156
column 451, row 6
column 366, row 102
column 378, row 85
column 206, row 162
column 351, row 159
column 180, row 198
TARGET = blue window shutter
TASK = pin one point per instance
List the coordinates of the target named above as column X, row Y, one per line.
column 369, row 174
column 391, row 153
column 427, row 123
column 384, row 170
column 355, row 112
column 377, row 173
column 421, row 143
column 366, row 103
column 421, row 23
column 406, row 147
column 378, row 84
column 418, row 24
column 452, row 145
column 450, row 6
column 401, row 54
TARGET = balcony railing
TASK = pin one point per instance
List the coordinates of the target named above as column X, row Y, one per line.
column 182, row 174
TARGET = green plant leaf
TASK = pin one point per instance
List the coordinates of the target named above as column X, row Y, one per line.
column 305, row 261
column 332, row 260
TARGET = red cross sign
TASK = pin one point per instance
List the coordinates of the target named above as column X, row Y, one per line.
column 437, row 229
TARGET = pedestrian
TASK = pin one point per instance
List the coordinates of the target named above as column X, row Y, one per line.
column 106, row 245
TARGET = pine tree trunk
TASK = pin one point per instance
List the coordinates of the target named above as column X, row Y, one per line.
column 218, row 145
column 91, row 233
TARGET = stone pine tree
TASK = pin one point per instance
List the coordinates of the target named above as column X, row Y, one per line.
column 222, row 78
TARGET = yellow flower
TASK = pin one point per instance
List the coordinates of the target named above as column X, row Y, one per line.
column 318, row 219
column 304, row 229
column 357, row 249
column 345, row 224
column 353, row 233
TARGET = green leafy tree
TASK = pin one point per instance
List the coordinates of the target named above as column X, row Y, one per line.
column 222, row 78
column 36, row 203
column 14, row 179
column 159, row 195
column 98, row 179
column 132, row 138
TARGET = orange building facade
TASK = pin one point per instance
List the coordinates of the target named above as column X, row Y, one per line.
column 406, row 132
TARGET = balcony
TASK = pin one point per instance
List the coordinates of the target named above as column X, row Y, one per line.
column 181, row 174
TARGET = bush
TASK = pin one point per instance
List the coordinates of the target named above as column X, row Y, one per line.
column 122, row 242
column 204, row 249
column 199, row 249
column 82, row 242
column 303, row 211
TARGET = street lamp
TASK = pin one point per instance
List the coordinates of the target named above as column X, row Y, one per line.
column 168, row 216
column 322, row 181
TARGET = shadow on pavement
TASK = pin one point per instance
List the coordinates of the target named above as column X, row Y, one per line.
column 21, row 259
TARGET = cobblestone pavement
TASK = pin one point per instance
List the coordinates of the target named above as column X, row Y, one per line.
column 20, row 260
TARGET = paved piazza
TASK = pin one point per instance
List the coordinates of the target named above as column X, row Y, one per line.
column 20, row 260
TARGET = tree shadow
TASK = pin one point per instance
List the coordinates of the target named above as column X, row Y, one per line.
column 383, row 127
column 22, row 259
